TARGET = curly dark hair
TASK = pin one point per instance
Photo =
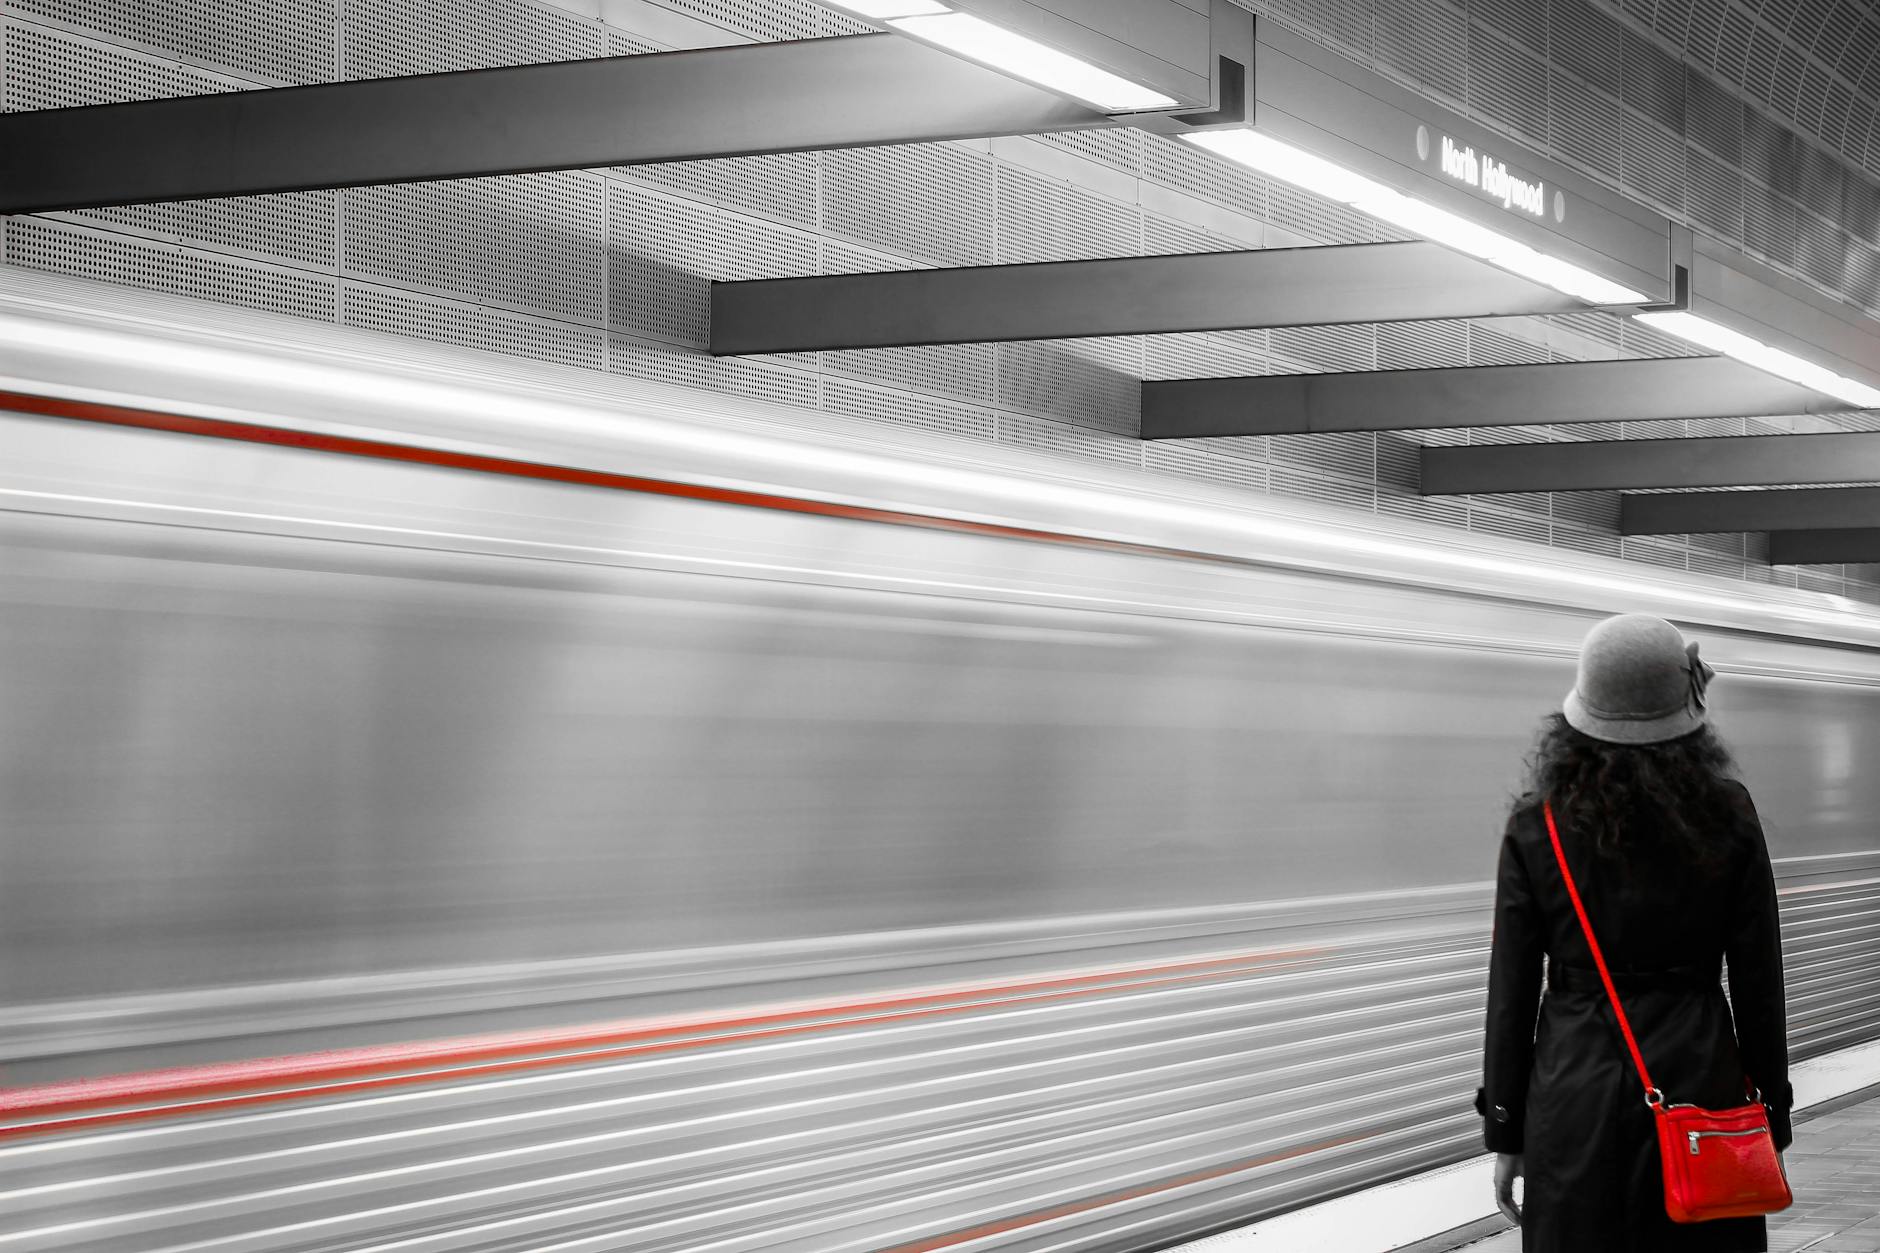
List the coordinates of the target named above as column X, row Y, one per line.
column 1675, row 796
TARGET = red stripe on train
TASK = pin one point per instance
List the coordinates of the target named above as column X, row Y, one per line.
column 480, row 463
column 231, row 1085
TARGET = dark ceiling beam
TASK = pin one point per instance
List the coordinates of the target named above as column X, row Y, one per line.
column 1120, row 296
column 1492, row 395
column 1608, row 465
column 1782, row 509
column 568, row 115
column 1824, row 548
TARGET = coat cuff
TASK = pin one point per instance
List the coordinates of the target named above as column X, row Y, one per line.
column 1501, row 1127
column 1779, row 1104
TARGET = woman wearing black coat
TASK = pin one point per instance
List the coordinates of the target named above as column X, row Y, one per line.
column 1671, row 864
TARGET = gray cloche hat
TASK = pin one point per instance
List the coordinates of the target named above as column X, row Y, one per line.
column 1639, row 682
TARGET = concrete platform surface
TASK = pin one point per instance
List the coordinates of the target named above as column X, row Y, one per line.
column 1834, row 1167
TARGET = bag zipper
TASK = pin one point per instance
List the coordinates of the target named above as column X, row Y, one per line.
column 1695, row 1136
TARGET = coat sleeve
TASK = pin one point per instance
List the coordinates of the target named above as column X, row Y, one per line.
column 1514, row 990
column 1754, row 951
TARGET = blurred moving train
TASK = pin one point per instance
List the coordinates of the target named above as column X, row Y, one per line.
column 645, row 820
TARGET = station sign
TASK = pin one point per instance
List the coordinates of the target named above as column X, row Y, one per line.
column 1308, row 95
column 1485, row 172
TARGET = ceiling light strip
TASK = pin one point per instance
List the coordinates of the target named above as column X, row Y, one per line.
column 1001, row 49
column 1011, row 53
column 1719, row 338
column 884, row 10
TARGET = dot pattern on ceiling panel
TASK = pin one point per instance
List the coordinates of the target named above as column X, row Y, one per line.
column 1713, row 194
column 1313, row 218
column 1652, row 164
column 470, row 326
column 736, row 375
column 899, row 407
column 1425, row 42
column 1509, row 435
column 54, row 70
column 1528, row 524
column 1487, row 346
column 1046, row 219
column 772, row 20
column 1318, row 349
column 1181, row 457
column 1119, row 148
column 930, row 202
column 120, row 259
column 1199, row 355
column 621, row 44
column 534, row 241
column 1511, row 80
column 1351, row 453
column 288, row 41
column 391, row 37
column 1163, row 238
column 1421, row 345
column 1585, row 128
column 1593, row 510
column 1065, row 439
column 663, row 255
column 295, row 227
column 1188, row 169
column 1324, row 488
column 1086, row 382
column 784, row 186
column 962, row 370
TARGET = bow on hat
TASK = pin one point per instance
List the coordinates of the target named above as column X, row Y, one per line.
column 1700, row 675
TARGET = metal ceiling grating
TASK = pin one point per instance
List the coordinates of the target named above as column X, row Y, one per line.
column 296, row 41
column 387, row 37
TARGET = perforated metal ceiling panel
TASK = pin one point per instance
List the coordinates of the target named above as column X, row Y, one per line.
column 287, row 41
column 387, row 37
column 608, row 269
column 533, row 241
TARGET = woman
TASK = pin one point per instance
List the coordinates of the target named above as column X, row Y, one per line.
column 1671, row 865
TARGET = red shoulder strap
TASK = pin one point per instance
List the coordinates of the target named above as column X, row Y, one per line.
column 1653, row 1096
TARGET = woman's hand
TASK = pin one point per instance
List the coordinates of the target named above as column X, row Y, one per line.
column 1508, row 1168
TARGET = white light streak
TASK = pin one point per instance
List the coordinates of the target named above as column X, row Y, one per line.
column 1028, row 59
column 1718, row 338
column 882, row 10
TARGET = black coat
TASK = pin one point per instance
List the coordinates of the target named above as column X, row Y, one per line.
column 1563, row 1090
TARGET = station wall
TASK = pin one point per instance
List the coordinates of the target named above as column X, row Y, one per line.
column 1740, row 123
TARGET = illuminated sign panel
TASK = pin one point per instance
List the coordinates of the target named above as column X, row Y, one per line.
column 1493, row 177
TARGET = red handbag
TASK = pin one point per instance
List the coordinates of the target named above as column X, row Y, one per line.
column 1718, row 1163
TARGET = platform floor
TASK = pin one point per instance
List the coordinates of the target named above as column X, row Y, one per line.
column 1834, row 1167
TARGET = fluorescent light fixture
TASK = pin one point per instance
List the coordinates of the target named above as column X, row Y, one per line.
column 1718, row 338
column 1421, row 218
column 882, row 10
column 1566, row 277
column 1270, row 156
column 1025, row 58
column 1327, row 178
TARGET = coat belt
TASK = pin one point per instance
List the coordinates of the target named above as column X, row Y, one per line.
column 1584, row 979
